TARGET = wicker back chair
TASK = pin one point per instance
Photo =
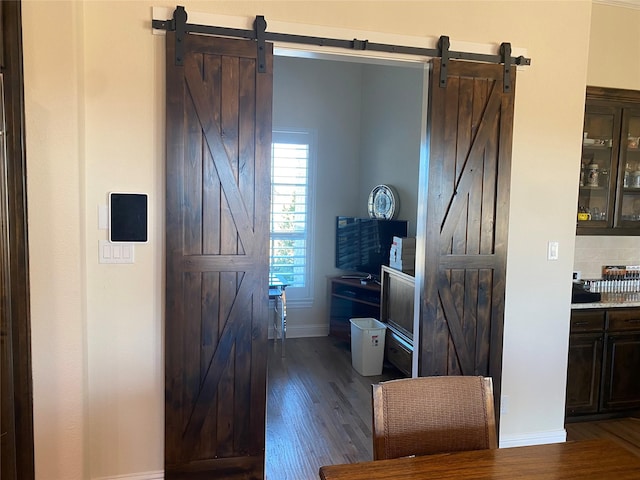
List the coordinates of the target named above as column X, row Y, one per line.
column 426, row 415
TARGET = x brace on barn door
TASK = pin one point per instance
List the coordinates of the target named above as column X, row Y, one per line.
column 259, row 33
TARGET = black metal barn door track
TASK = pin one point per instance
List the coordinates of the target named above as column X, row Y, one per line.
column 259, row 33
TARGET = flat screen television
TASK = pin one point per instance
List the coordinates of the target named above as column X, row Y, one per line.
column 363, row 244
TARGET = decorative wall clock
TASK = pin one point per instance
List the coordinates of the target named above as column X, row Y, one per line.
column 383, row 202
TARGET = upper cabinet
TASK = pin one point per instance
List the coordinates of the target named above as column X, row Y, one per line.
column 609, row 198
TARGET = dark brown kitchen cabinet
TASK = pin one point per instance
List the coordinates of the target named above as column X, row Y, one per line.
column 621, row 382
column 585, row 362
column 609, row 193
column 603, row 362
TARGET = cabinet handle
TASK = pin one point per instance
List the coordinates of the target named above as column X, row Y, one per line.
column 580, row 324
column 632, row 320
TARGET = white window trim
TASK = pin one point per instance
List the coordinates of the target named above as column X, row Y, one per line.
column 303, row 296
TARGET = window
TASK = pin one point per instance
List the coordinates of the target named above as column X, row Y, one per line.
column 290, row 236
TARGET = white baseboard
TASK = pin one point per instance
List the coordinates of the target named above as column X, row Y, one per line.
column 157, row 475
column 535, row 438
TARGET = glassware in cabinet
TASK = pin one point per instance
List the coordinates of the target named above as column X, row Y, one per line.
column 598, row 166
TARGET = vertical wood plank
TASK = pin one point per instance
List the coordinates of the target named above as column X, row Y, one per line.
column 211, row 189
column 433, row 354
column 259, row 326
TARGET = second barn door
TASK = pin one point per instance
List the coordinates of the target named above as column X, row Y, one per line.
column 462, row 305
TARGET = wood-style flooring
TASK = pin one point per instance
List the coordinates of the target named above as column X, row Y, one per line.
column 625, row 431
column 319, row 411
column 318, row 408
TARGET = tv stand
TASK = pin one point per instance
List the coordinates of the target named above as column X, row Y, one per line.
column 351, row 298
column 364, row 279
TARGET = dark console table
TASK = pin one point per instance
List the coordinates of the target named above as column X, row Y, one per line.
column 351, row 298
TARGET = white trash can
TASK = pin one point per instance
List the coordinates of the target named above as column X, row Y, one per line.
column 367, row 345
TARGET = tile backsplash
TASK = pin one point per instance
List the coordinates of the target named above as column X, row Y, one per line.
column 594, row 251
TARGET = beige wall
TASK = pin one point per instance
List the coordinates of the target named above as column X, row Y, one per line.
column 614, row 49
column 53, row 76
column 95, row 120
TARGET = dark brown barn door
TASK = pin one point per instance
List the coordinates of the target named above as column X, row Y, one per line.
column 470, row 130
column 217, row 237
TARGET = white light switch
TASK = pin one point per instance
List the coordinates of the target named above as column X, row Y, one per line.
column 115, row 252
column 552, row 251
column 103, row 217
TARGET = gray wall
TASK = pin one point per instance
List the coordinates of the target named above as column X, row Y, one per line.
column 367, row 122
column 390, row 135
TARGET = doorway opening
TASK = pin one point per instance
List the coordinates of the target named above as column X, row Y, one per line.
column 367, row 121
column 368, row 118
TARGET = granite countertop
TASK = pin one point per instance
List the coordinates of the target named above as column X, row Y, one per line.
column 612, row 300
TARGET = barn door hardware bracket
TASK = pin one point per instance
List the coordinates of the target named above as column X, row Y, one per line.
column 260, row 27
column 360, row 44
column 443, row 52
column 505, row 52
column 260, row 35
column 180, row 22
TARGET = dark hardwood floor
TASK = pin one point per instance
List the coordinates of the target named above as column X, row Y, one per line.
column 318, row 410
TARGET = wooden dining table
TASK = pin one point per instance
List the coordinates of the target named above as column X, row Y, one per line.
column 600, row 459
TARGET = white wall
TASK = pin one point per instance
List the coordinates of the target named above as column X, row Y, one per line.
column 95, row 121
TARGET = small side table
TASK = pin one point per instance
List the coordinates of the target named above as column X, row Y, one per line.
column 277, row 293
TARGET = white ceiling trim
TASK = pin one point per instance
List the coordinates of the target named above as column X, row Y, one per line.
column 313, row 51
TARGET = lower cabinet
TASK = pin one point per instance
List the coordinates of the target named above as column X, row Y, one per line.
column 398, row 351
column 396, row 310
column 585, row 362
column 604, row 358
column 621, row 382
column 585, row 365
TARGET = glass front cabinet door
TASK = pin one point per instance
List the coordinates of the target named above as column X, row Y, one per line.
column 629, row 207
column 598, row 167
column 609, row 192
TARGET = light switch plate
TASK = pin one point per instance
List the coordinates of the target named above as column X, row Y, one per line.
column 115, row 252
column 103, row 217
column 552, row 250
